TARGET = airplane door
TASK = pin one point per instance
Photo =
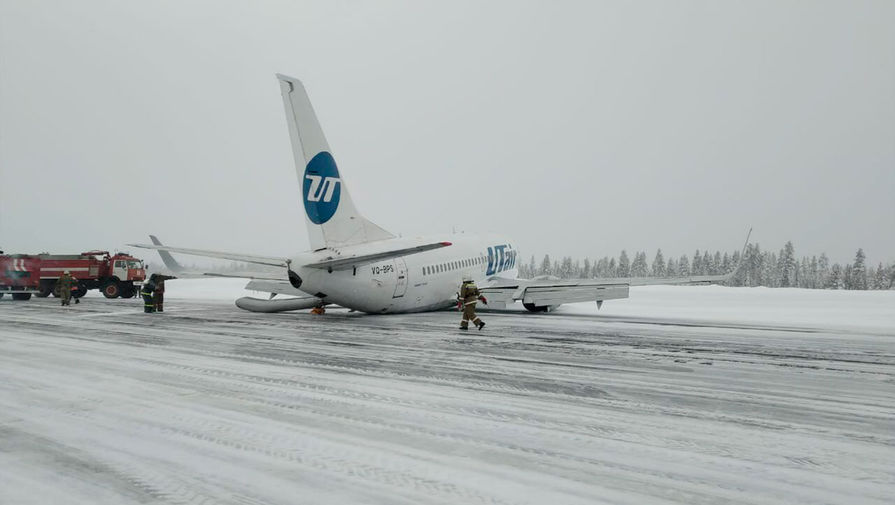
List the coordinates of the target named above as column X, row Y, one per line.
column 401, row 273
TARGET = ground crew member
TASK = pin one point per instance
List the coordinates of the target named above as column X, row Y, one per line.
column 469, row 295
column 158, row 296
column 319, row 309
column 65, row 284
column 146, row 293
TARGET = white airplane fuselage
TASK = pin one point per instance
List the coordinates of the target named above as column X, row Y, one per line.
column 412, row 283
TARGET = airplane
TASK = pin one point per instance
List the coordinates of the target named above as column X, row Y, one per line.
column 357, row 264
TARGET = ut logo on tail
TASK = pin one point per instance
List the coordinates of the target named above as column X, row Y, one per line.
column 321, row 188
column 316, row 191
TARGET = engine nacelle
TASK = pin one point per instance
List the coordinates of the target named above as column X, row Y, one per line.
column 281, row 305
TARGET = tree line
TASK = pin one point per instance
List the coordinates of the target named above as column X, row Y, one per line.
column 759, row 268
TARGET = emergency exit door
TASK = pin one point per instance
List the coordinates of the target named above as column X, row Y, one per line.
column 401, row 274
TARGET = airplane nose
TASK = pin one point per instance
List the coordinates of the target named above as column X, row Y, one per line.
column 294, row 279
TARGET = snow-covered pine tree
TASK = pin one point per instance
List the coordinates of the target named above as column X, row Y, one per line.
column 769, row 272
column 804, row 272
column 708, row 267
column 602, row 268
column 658, row 269
column 611, row 268
column 834, row 279
column 739, row 278
column 639, row 267
column 823, row 272
column 624, row 265
column 859, row 271
column 813, row 281
column 671, row 268
column 683, row 266
column 545, row 266
column 565, row 269
column 696, row 266
column 754, row 265
column 786, row 265
column 879, row 280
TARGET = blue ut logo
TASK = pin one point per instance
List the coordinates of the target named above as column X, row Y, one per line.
column 500, row 258
column 321, row 188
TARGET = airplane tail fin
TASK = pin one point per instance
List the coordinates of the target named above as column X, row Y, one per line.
column 332, row 219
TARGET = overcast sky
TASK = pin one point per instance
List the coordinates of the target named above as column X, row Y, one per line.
column 578, row 128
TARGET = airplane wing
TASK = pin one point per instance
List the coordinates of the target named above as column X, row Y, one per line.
column 543, row 294
column 248, row 258
column 177, row 269
column 347, row 262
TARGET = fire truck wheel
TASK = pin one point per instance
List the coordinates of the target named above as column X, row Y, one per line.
column 21, row 296
column 1, row 295
column 44, row 292
column 81, row 291
column 128, row 291
column 111, row 290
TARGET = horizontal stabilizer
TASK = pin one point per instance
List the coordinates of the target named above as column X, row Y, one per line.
column 248, row 258
column 339, row 263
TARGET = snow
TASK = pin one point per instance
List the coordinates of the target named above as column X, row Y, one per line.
column 815, row 308
column 676, row 395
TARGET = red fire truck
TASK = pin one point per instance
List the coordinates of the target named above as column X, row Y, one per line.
column 16, row 276
column 118, row 275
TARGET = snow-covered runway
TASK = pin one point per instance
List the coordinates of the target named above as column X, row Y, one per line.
column 209, row 404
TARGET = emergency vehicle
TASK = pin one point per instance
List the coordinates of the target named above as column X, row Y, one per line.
column 115, row 275
column 16, row 276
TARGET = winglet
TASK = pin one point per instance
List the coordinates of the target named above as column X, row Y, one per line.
column 167, row 259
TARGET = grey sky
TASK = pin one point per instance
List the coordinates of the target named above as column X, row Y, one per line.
column 577, row 128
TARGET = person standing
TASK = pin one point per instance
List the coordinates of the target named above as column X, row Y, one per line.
column 158, row 296
column 469, row 295
column 65, row 284
column 146, row 292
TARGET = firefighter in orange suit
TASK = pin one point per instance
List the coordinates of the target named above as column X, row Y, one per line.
column 469, row 295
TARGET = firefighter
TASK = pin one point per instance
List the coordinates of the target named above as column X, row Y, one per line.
column 146, row 293
column 66, row 284
column 158, row 296
column 319, row 309
column 469, row 295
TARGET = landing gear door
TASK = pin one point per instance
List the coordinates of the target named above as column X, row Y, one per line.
column 401, row 278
